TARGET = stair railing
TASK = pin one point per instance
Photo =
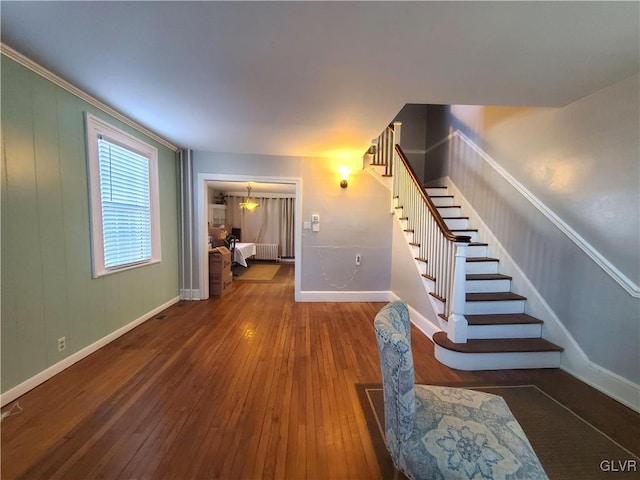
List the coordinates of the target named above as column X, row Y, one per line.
column 443, row 252
column 383, row 148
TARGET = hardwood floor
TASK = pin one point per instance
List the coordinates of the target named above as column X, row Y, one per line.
column 252, row 385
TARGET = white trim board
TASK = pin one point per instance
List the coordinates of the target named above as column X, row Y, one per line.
column 53, row 78
column 586, row 247
column 190, row 294
column 340, row 296
column 29, row 384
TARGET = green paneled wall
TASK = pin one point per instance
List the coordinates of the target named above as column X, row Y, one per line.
column 47, row 289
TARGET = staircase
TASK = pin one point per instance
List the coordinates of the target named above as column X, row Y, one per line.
column 483, row 323
column 501, row 335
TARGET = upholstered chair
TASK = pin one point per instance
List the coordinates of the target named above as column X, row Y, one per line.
column 435, row 432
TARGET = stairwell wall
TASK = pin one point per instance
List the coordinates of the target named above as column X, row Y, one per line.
column 581, row 161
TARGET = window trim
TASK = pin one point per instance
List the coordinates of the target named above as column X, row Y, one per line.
column 96, row 127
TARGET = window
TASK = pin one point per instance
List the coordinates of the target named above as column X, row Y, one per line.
column 123, row 187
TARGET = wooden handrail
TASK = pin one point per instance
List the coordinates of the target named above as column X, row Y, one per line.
column 432, row 208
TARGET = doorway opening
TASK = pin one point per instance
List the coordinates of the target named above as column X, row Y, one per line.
column 234, row 183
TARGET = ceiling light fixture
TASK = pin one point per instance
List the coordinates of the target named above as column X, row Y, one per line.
column 249, row 204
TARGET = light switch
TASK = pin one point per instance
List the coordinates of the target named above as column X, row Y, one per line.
column 315, row 227
column 307, row 225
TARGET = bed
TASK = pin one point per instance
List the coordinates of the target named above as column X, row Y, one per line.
column 242, row 252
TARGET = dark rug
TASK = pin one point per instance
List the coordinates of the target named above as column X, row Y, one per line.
column 568, row 446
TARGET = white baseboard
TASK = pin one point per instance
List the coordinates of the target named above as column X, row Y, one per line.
column 190, row 294
column 24, row 387
column 609, row 383
column 350, row 296
column 421, row 322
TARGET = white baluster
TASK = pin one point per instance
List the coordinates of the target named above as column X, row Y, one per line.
column 457, row 323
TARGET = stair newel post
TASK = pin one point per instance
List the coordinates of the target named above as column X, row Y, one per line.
column 396, row 133
column 396, row 140
column 457, row 323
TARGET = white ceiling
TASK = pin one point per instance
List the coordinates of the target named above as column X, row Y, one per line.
column 320, row 78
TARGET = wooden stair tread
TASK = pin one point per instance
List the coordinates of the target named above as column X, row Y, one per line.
column 455, row 218
column 482, row 259
column 465, row 230
column 497, row 345
column 421, row 259
column 435, row 295
column 478, row 244
column 493, row 297
column 499, row 319
column 487, row 276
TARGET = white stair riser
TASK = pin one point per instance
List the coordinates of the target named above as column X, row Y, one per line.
column 483, row 286
column 497, row 361
column 449, row 211
column 456, row 223
column 482, row 267
column 477, row 251
column 436, row 191
column 527, row 330
column 501, row 306
column 442, row 201
column 408, row 236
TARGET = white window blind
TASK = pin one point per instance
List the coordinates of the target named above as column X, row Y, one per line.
column 124, row 196
column 126, row 209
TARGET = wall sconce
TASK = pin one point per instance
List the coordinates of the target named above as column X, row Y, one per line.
column 344, row 176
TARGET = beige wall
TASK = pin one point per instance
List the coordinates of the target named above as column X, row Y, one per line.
column 352, row 220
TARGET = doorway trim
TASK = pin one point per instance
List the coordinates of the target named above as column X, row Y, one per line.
column 202, row 219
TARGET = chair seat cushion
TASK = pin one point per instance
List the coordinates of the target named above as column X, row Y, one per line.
column 466, row 434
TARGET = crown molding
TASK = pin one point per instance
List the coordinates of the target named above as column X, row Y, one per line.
column 52, row 77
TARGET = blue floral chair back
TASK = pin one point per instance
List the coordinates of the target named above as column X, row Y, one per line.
column 435, row 432
column 393, row 333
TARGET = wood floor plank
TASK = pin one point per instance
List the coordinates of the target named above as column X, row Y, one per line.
column 249, row 386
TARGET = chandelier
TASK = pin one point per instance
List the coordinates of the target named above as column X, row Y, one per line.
column 249, row 204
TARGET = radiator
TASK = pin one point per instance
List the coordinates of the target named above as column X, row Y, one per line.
column 267, row 251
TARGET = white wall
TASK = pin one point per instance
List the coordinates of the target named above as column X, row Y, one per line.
column 581, row 161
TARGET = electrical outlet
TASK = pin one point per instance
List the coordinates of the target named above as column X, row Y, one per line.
column 62, row 343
